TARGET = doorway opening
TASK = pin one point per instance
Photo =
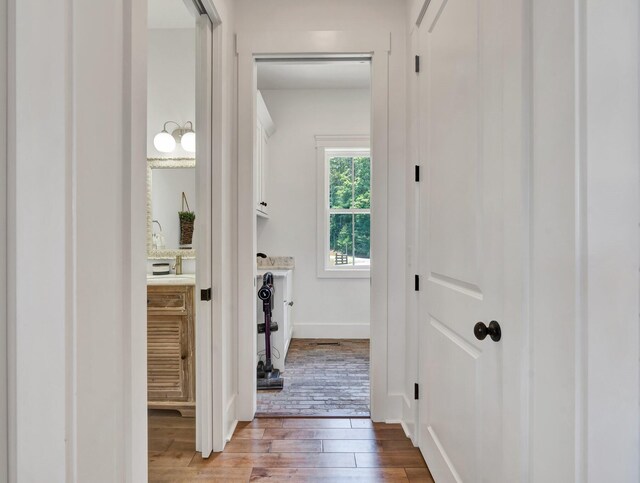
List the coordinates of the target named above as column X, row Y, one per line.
column 313, row 235
column 179, row 228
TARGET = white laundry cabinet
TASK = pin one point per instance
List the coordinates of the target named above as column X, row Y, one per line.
column 282, row 311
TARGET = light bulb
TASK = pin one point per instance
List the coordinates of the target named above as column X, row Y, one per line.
column 164, row 142
column 188, row 141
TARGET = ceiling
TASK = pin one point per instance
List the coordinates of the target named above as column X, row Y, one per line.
column 171, row 14
column 314, row 75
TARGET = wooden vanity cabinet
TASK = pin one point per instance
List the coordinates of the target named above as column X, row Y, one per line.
column 171, row 348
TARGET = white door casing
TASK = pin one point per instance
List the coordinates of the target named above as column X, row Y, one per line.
column 204, row 232
column 471, row 243
column 211, row 411
column 316, row 43
column 410, row 412
column 4, row 396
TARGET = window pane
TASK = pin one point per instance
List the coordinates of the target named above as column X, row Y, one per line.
column 340, row 182
column 362, row 183
column 340, row 240
column 362, row 239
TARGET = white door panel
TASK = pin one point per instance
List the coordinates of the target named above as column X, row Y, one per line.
column 461, row 239
column 205, row 227
column 453, row 132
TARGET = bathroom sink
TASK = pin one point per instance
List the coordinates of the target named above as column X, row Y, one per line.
column 172, row 279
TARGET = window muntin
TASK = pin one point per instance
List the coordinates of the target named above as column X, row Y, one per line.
column 348, row 209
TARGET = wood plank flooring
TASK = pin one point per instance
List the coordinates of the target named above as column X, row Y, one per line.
column 287, row 450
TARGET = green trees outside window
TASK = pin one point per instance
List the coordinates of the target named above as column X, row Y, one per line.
column 349, row 210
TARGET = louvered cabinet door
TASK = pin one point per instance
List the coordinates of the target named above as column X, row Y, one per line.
column 167, row 358
column 170, row 348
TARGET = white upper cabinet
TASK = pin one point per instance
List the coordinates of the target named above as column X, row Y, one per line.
column 264, row 129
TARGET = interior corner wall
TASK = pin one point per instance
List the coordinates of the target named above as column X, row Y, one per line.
column 324, row 307
column 365, row 15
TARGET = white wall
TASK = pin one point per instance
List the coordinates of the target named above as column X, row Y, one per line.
column 331, row 308
column 38, row 84
column 554, row 256
column 77, row 364
column 610, row 213
column 584, row 334
column 171, row 94
column 365, row 15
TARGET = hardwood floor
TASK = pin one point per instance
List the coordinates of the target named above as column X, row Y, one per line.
column 287, row 450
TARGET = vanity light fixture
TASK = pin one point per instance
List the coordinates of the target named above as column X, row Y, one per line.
column 185, row 135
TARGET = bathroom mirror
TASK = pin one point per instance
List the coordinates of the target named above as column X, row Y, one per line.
column 167, row 180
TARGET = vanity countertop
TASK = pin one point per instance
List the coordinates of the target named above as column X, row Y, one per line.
column 172, row 279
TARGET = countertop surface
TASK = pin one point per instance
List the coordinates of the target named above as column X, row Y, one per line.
column 172, row 279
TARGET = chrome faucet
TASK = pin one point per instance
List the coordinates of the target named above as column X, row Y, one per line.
column 178, row 265
column 158, row 238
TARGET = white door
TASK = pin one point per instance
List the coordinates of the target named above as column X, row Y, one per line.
column 462, row 244
column 206, row 225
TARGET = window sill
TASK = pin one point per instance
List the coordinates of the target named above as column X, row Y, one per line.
column 344, row 273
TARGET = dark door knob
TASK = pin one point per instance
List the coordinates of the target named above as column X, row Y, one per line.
column 481, row 331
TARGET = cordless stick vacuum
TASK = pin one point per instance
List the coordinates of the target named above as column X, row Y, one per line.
column 268, row 377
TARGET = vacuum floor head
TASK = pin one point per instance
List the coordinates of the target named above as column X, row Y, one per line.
column 271, row 381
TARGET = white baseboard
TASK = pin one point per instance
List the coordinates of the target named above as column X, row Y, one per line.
column 409, row 419
column 410, row 434
column 230, row 418
column 231, row 430
column 324, row 330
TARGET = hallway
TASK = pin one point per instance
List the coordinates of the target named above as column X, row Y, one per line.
column 295, row 449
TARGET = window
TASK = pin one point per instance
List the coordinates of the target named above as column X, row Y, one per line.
column 344, row 206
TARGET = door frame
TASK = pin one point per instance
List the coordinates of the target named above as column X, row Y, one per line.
column 327, row 44
column 204, row 313
column 208, row 320
column 208, row 398
column 414, row 165
column 4, row 395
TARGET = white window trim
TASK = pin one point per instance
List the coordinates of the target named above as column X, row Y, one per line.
column 353, row 143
